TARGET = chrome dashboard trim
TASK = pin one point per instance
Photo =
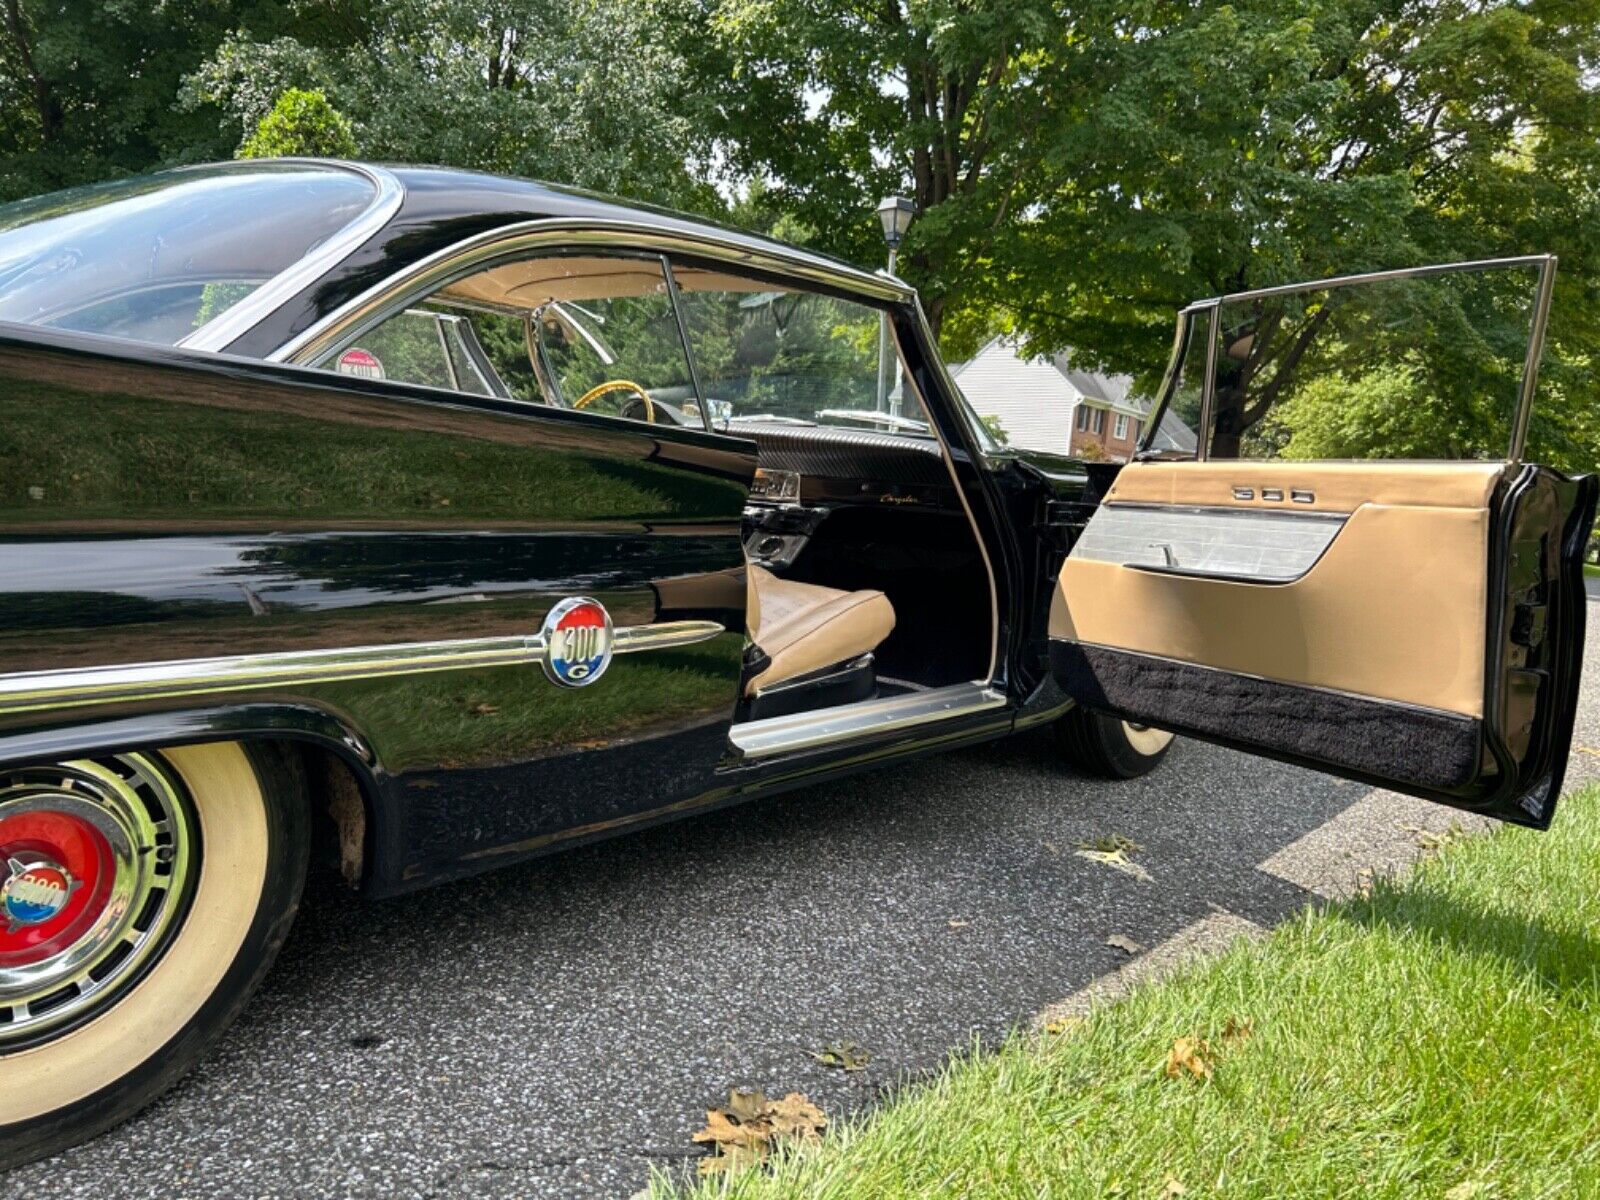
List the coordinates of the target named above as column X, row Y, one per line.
column 34, row 691
column 228, row 326
column 432, row 272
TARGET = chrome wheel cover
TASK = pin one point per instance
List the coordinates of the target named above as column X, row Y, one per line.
column 97, row 863
column 1144, row 739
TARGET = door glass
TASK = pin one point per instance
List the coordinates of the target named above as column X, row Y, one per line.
column 588, row 331
column 1425, row 366
column 774, row 354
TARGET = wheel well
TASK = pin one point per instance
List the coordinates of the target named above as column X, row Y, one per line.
column 341, row 813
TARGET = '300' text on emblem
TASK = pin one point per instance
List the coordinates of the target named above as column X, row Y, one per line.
column 577, row 642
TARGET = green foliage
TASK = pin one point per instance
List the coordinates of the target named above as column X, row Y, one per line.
column 1080, row 169
column 303, row 123
column 1083, row 170
column 579, row 91
column 88, row 87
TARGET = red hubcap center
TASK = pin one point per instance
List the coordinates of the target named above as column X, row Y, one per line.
column 56, row 872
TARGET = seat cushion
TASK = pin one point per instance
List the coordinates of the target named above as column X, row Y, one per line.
column 801, row 627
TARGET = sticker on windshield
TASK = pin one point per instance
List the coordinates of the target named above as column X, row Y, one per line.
column 363, row 363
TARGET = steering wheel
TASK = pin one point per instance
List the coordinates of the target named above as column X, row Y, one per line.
column 618, row 385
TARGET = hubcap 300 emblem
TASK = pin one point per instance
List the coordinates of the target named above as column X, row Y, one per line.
column 577, row 642
column 34, row 892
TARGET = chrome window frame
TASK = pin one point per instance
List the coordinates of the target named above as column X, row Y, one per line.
column 1538, row 324
column 233, row 323
column 601, row 233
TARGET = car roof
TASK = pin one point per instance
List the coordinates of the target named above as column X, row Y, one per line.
column 440, row 207
column 454, row 191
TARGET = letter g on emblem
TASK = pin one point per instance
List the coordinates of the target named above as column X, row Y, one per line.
column 577, row 642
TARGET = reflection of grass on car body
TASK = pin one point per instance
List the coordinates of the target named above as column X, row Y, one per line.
column 1433, row 1038
column 71, row 455
column 500, row 715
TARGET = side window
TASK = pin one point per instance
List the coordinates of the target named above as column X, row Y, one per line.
column 776, row 354
column 1176, row 433
column 583, row 330
column 1423, row 366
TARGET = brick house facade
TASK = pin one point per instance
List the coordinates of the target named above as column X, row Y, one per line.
column 1047, row 404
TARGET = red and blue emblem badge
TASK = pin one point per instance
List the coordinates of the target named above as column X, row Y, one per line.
column 577, row 642
column 34, row 892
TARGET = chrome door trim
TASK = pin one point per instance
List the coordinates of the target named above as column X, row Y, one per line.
column 228, row 326
column 1530, row 364
column 428, row 274
column 952, row 390
column 80, row 687
column 867, row 718
column 1546, row 263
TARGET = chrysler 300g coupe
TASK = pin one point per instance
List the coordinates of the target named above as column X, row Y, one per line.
column 434, row 520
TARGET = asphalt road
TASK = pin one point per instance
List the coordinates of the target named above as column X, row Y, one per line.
column 554, row 1029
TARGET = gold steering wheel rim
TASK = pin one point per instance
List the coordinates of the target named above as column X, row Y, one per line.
column 617, row 385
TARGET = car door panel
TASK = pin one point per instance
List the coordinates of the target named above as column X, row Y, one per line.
column 1392, row 658
column 1417, row 625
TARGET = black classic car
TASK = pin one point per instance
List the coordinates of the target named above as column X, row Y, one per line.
column 430, row 521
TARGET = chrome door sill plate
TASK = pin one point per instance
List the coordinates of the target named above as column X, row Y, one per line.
column 867, row 718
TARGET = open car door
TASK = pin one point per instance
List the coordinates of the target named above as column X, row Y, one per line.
column 1355, row 570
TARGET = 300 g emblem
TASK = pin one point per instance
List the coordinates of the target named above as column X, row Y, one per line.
column 577, row 642
column 34, row 892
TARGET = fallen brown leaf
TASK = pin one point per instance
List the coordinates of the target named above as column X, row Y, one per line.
column 1117, row 860
column 841, row 1056
column 751, row 1126
column 1126, row 944
column 1111, row 843
column 1189, row 1054
column 1238, row 1029
column 1173, row 1187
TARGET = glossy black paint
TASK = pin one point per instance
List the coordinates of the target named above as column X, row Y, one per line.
column 159, row 505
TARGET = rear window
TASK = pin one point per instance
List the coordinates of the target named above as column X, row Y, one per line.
column 156, row 257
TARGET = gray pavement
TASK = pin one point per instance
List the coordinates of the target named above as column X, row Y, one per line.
column 556, row 1028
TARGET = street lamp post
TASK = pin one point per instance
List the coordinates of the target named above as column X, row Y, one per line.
column 895, row 214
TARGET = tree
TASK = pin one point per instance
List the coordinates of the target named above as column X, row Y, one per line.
column 87, row 88
column 301, row 123
column 578, row 91
column 1081, row 170
column 833, row 104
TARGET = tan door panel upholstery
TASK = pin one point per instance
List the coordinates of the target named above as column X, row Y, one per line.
column 802, row 628
column 1395, row 609
column 1340, row 487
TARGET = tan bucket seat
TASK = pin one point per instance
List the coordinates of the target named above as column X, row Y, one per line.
column 802, row 628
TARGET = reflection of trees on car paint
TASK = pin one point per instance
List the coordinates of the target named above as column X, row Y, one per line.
column 71, row 455
column 509, row 714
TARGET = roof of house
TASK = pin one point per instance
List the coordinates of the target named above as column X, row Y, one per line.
column 1094, row 386
column 1033, row 398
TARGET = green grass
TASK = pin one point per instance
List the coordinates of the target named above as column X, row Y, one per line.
column 1437, row 1038
column 1591, row 569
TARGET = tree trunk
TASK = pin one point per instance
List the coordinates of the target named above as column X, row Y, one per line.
column 45, row 103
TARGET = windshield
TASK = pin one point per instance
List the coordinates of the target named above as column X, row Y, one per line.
column 155, row 257
column 778, row 355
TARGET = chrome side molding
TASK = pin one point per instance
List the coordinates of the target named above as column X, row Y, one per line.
column 867, row 718
column 79, row 687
